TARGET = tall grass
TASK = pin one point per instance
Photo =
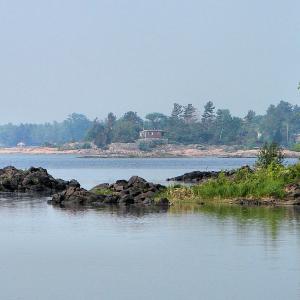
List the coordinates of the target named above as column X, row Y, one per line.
column 267, row 182
column 256, row 186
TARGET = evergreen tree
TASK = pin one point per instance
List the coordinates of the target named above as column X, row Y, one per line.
column 209, row 113
column 98, row 134
column 109, row 124
column 177, row 111
column 249, row 118
column 249, row 129
column 189, row 113
column 111, row 120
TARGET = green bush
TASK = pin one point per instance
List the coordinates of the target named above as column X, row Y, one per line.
column 267, row 182
column 269, row 154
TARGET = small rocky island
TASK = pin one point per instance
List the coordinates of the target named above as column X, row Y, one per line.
column 273, row 184
column 37, row 181
column 136, row 191
column 31, row 181
column 244, row 186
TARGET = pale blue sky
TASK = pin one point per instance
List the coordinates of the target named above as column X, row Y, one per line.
column 96, row 56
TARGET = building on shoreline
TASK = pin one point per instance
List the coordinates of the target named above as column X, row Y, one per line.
column 152, row 134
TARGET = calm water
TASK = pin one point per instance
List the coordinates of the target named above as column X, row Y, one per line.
column 208, row 252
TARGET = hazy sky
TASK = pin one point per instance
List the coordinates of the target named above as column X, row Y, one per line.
column 96, row 56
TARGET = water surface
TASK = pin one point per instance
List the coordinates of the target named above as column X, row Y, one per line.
column 205, row 252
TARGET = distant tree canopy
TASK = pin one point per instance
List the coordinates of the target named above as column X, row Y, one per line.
column 74, row 128
column 184, row 125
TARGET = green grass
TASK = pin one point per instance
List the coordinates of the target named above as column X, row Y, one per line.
column 102, row 191
column 262, row 183
column 296, row 147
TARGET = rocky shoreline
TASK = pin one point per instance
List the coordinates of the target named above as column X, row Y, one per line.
column 201, row 176
column 130, row 150
column 292, row 191
column 134, row 192
column 31, row 181
column 36, row 181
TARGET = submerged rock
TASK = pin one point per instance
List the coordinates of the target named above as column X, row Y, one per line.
column 135, row 191
column 31, row 181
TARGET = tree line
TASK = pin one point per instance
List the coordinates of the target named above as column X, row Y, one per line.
column 184, row 124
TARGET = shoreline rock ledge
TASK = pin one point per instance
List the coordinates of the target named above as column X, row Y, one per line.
column 31, row 181
column 201, row 176
column 136, row 191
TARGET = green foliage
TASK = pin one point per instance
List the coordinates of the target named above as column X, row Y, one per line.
column 269, row 154
column 74, row 128
column 263, row 183
column 98, row 134
column 296, row 147
column 269, row 182
column 280, row 124
column 177, row 111
column 102, row 191
column 209, row 113
column 155, row 121
column 189, row 113
column 86, row 146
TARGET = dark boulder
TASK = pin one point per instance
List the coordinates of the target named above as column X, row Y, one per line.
column 163, row 202
column 201, row 176
column 293, row 193
column 31, row 181
column 75, row 196
column 136, row 181
column 136, row 191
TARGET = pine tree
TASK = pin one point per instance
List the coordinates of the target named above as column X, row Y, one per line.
column 111, row 120
column 177, row 111
column 189, row 113
column 209, row 113
column 249, row 118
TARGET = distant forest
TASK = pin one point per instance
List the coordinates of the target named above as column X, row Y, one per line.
column 184, row 125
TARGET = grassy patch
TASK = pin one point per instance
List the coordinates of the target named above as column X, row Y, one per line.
column 267, row 182
column 102, row 191
column 296, row 147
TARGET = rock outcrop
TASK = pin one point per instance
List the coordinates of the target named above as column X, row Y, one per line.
column 293, row 193
column 200, row 176
column 135, row 191
column 31, row 181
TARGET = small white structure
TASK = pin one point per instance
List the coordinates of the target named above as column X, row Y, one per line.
column 21, row 145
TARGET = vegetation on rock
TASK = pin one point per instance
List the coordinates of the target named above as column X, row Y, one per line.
column 269, row 179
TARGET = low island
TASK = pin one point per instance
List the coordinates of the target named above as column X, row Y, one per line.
column 269, row 182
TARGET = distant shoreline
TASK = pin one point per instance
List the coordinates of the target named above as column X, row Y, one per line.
column 172, row 151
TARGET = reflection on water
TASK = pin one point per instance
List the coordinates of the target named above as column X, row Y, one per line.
column 270, row 219
column 195, row 252
column 190, row 252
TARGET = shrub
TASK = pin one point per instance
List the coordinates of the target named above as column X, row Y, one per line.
column 269, row 154
column 269, row 182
